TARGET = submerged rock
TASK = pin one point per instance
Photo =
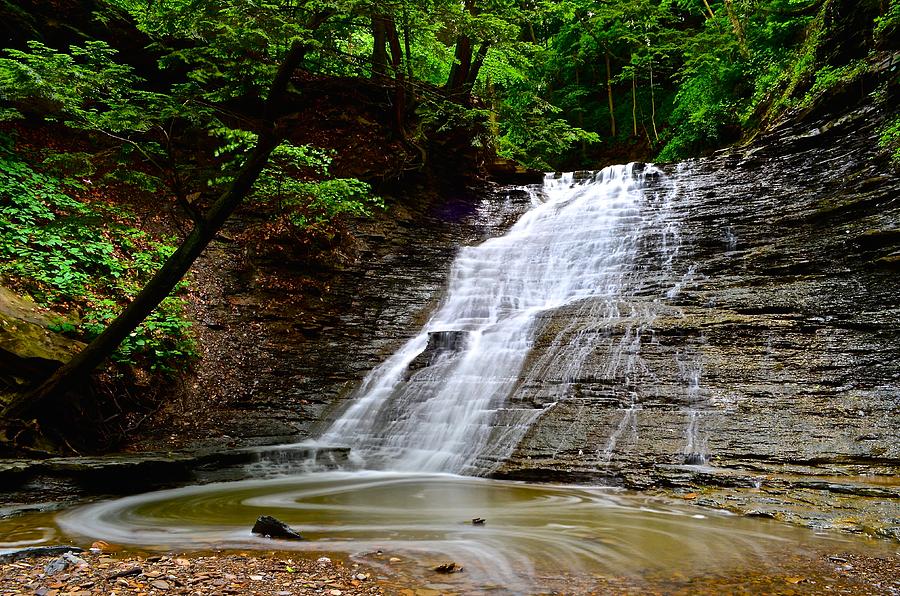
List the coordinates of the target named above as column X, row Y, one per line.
column 266, row 525
column 450, row 567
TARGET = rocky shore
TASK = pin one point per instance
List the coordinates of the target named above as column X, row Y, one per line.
column 90, row 573
column 295, row 574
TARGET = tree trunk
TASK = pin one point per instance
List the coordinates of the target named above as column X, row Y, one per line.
column 406, row 45
column 399, row 77
column 738, row 28
column 609, row 94
column 709, row 10
column 653, row 105
column 634, row 103
column 462, row 62
column 176, row 266
column 475, row 68
column 379, row 53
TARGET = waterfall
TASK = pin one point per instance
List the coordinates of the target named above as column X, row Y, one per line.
column 447, row 400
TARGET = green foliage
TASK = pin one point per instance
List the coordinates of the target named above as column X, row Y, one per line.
column 561, row 79
column 85, row 88
column 724, row 84
column 77, row 164
column 890, row 140
column 704, row 107
column 533, row 137
column 829, row 77
column 888, row 24
column 69, row 253
column 292, row 181
column 306, row 202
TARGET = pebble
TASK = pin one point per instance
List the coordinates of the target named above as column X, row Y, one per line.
column 55, row 566
column 195, row 575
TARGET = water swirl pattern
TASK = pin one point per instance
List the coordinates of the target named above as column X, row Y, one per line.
column 535, row 537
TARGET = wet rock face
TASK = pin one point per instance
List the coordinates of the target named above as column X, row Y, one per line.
column 776, row 348
column 283, row 343
column 771, row 352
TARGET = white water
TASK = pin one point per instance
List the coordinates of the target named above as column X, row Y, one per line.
column 576, row 246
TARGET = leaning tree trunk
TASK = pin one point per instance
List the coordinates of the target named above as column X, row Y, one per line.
column 174, row 269
column 475, row 68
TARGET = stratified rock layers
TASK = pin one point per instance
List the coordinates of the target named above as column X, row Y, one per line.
column 779, row 343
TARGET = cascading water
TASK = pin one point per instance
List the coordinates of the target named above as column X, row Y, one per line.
column 446, row 401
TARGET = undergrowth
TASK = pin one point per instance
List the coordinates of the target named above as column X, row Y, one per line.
column 890, row 140
column 80, row 256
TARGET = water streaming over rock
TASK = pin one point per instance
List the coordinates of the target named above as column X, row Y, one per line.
column 449, row 400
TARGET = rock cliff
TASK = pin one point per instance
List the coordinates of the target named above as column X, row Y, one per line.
column 776, row 358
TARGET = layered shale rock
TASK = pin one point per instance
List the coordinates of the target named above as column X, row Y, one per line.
column 770, row 350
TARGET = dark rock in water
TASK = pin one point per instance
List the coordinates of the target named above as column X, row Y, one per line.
column 448, row 568
column 760, row 513
column 38, row 551
column 694, row 459
column 478, row 521
column 447, row 341
column 266, row 525
column 440, row 345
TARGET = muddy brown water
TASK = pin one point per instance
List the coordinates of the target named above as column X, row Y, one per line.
column 535, row 539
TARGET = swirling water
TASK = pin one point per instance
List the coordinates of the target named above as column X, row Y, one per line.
column 536, row 537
